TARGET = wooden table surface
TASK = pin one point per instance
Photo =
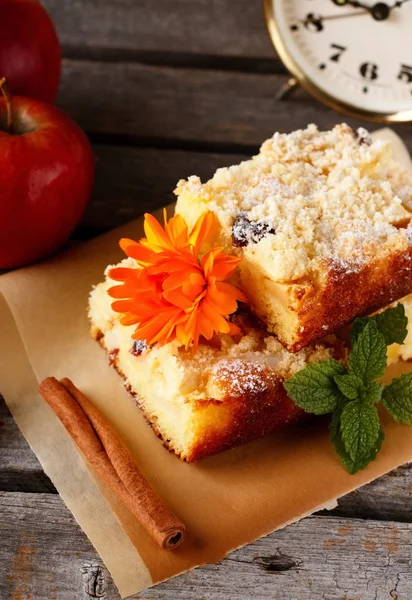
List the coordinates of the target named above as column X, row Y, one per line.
column 166, row 89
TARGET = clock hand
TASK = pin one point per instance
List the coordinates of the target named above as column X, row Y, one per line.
column 312, row 17
column 345, row 15
column 379, row 11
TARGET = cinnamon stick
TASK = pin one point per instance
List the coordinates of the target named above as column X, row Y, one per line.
column 106, row 451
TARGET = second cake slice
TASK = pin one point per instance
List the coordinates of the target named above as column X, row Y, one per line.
column 322, row 223
column 229, row 392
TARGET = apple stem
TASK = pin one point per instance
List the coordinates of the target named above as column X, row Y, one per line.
column 5, row 90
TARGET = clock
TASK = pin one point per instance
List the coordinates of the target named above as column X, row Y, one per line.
column 353, row 56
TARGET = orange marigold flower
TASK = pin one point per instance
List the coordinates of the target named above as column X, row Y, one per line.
column 172, row 293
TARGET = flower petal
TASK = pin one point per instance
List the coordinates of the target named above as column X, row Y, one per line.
column 159, row 328
column 207, row 262
column 177, row 279
column 128, row 319
column 166, row 333
column 126, row 243
column 143, row 255
column 150, row 328
column 155, row 234
column 235, row 292
column 224, row 265
column 221, row 301
column 119, row 273
column 177, row 298
column 234, row 329
column 122, row 291
column 191, row 329
column 177, row 231
column 172, row 265
column 171, row 294
column 202, row 230
column 181, row 334
column 218, row 322
column 122, row 306
column 205, row 326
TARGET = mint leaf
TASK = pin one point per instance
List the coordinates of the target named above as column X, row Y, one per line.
column 397, row 398
column 392, row 323
column 352, row 387
column 314, row 389
column 334, row 425
column 359, row 428
column 372, row 392
column 357, row 327
column 349, row 385
column 351, row 393
column 344, row 457
column 367, row 358
column 354, row 466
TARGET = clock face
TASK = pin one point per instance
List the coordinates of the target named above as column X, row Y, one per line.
column 357, row 52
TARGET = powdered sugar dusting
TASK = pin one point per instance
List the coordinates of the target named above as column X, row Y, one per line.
column 241, row 378
column 327, row 195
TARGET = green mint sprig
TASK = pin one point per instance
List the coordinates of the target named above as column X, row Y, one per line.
column 351, row 393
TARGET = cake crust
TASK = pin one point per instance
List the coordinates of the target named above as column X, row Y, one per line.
column 343, row 295
column 322, row 222
column 265, row 409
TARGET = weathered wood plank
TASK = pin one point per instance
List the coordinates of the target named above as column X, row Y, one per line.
column 44, row 555
column 201, row 109
column 389, row 497
column 131, row 181
column 19, row 468
column 211, row 27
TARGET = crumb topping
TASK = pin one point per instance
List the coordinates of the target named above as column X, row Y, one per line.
column 200, row 375
column 321, row 196
column 244, row 360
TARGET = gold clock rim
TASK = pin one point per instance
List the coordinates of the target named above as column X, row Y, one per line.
column 311, row 87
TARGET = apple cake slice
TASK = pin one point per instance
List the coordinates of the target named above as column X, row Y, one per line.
column 230, row 391
column 321, row 221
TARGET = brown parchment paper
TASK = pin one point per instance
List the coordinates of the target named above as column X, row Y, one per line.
column 226, row 501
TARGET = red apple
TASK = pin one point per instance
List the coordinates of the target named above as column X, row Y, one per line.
column 46, row 177
column 30, row 53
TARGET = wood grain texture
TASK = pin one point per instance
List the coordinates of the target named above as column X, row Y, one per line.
column 19, row 468
column 44, row 555
column 388, row 497
column 211, row 27
column 188, row 108
column 131, row 181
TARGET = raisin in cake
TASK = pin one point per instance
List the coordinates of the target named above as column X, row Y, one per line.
column 322, row 223
column 228, row 392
